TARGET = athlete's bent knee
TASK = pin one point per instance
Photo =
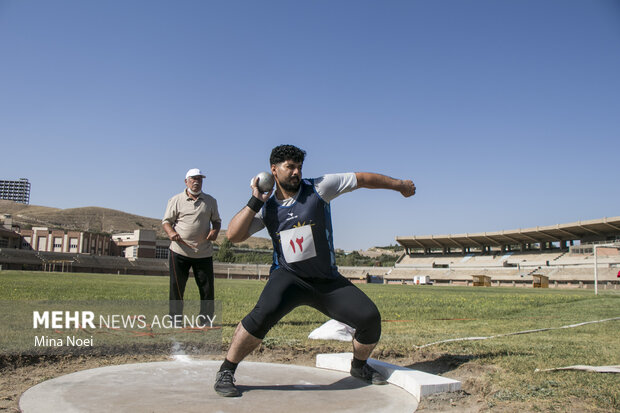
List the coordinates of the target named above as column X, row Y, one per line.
column 369, row 330
column 258, row 323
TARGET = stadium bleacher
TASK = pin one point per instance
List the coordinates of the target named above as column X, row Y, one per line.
column 563, row 269
column 562, row 252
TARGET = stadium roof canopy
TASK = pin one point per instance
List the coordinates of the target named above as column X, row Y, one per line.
column 600, row 229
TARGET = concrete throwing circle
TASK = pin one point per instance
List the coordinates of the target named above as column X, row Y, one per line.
column 187, row 386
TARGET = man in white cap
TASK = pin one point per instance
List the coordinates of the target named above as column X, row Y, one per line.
column 192, row 222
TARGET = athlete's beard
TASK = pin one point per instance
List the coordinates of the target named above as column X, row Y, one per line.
column 289, row 186
column 192, row 192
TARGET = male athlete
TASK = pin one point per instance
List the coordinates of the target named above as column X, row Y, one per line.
column 304, row 270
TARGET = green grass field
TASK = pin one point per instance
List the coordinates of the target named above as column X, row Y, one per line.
column 414, row 316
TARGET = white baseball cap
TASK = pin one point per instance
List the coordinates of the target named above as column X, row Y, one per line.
column 194, row 172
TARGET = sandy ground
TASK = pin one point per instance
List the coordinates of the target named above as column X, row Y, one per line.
column 20, row 373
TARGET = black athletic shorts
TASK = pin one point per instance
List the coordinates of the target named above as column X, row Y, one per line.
column 337, row 298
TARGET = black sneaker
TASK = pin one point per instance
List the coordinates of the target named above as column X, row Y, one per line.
column 368, row 374
column 225, row 384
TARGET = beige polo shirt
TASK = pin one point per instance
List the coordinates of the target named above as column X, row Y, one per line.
column 192, row 221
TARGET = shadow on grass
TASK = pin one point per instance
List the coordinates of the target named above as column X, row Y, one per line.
column 449, row 362
column 443, row 364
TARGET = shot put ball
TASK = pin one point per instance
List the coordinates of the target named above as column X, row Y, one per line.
column 265, row 181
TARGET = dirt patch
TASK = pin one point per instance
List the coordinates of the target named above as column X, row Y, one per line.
column 474, row 376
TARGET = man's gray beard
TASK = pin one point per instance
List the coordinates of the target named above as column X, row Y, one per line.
column 193, row 193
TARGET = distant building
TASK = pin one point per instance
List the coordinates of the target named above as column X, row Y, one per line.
column 9, row 238
column 18, row 191
column 58, row 240
column 6, row 222
column 141, row 243
column 162, row 249
column 138, row 244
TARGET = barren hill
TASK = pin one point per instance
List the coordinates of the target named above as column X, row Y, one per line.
column 93, row 219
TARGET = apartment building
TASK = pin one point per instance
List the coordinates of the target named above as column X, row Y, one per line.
column 18, row 191
column 58, row 240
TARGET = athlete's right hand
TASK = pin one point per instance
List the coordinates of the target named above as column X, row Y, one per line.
column 257, row 193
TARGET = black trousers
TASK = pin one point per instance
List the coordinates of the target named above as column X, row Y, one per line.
column 337, row 298
column 179, row 273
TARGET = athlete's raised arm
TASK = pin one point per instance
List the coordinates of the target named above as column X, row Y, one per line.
column 377, row 181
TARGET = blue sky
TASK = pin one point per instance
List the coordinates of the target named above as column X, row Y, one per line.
column 506, row 114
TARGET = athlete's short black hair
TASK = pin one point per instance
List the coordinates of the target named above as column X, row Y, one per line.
column 285, row 153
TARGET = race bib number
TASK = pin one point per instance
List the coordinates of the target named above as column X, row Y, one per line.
column 298, row 244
